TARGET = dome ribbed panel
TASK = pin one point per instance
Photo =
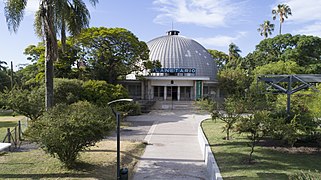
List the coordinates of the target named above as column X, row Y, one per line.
column 175, row 51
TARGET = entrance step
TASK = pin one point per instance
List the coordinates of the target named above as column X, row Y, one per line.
column 146, row 105
column 174, row 105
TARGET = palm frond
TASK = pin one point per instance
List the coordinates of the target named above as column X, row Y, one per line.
column 14, row 11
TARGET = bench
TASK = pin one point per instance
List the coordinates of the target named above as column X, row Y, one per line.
column 4, row 146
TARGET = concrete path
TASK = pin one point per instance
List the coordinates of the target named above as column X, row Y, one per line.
column 173, row 151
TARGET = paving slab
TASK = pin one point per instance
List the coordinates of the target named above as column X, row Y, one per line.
column 173, row 150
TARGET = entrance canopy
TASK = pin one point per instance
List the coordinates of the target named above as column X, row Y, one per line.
column 284, row 84
column 309, row 78
column 304, row 81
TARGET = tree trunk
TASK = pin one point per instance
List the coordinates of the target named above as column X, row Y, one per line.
column 228, row 134
column 63, row 35
column 50, row 53
column 252, row 150
column 280, row 28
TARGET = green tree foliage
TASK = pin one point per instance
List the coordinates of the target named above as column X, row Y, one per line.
column 256, row 126
column 66, row 130
column 209, row 105
column 234, row 55
column 234, row 82
column 278, row 68
column 283, row 11
column 52, row 16
column 3, row 65
column 219, row 57
column 266, row 29
column 100, row 92
column 4, row 80
column 304, row 119
column 67, row 65
column 68, row 91
column 302, row 49
column 63, row 67
column 233, row 108
column 111, row 53
column 28, row 102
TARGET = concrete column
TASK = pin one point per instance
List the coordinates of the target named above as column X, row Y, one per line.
column 178, row 93
column 218, row 93
column 150, row 90
column 165, row 93
column 194, row 91
column 142, row 90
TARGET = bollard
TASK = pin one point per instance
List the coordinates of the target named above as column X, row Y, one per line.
column 123, row 174
column 19, row 130
column 9, row 137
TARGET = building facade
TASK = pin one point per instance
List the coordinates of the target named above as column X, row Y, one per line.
column 188, row 71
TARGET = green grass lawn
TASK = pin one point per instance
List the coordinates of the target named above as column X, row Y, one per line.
column 10, row 122
column 97, row 163
column 270, row 162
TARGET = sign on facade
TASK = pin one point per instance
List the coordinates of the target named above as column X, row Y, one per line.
column 174, row 70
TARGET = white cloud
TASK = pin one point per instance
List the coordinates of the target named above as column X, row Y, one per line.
column 220, row 40
column 306, row 14
column 303, row 10
column 32, row 7
column 208, row 13
column 313, row 29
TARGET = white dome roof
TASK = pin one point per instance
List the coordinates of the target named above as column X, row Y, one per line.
column 174, row 51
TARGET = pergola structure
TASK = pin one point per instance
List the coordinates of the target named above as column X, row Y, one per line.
column 289, row 84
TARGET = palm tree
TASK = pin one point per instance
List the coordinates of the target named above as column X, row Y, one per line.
column 52, row 16
column 3, row 68
column 233, row 51
column 282, row 11
column 266, row 29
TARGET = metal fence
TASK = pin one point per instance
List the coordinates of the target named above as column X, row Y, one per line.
column 14, row 135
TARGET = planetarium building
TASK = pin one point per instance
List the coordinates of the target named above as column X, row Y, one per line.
column 188, row 72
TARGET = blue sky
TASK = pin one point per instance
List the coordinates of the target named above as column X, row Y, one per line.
column 213, row 23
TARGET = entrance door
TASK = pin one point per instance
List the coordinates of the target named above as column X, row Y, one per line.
column 174, row 93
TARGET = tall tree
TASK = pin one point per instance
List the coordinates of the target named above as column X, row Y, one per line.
column 233, row 51
column 52, row 16
column 219, row 57
column 3, row 68
column 283, row 10
column 112, row 53
column 266, row 29
column 234, row 55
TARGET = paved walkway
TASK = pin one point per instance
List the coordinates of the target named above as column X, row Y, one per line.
column 173, row 151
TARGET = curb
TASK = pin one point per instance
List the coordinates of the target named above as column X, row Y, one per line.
column 212, row 167
column 150, row 133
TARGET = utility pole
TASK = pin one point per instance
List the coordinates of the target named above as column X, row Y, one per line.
column 11, row 75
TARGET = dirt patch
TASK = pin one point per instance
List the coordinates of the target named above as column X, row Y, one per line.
column 280, row 146
column 297, row 150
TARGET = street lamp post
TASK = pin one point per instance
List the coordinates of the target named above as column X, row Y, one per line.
column 118, row 131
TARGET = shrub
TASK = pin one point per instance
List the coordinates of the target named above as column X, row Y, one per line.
column 233, row 109
column 67, row 91
column 28, row 102
column 209, row 105
column 133, row 109
column 305, row 176
column 100, row 93
column 256, row 126
column 65, row 130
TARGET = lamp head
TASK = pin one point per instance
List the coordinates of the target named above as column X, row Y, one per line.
column 119, row 100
